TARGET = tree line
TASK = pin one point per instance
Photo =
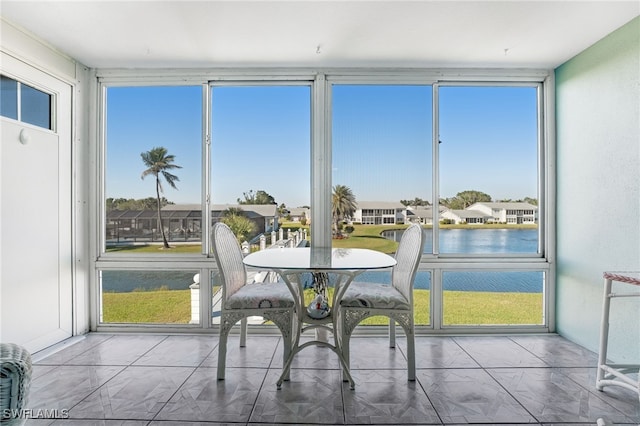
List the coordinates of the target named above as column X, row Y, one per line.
column 459, row 202
column 148, row 203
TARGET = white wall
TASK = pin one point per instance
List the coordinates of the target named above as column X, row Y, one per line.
column 35, row 52
column 38, row 54
column 598, row 188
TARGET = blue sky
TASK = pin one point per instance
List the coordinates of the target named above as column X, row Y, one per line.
column 381, row 141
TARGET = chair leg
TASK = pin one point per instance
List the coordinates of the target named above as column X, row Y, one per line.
column 345, row 341
column 392, row 333
column 285, row 321
column 222, row 350
column 243, row 332
column 287, row 342
column 411, row 352
column 286, row 351
column 349, row 320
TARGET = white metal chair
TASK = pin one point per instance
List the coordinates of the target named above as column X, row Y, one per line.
column 362, row 300
column 273, row 301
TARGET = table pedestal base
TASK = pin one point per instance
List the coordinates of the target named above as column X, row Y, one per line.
column 319, row 326
column 322, row 335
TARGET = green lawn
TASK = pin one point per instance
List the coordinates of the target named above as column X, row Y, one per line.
column 369, row 236
column 157, row 306
column 460, row 307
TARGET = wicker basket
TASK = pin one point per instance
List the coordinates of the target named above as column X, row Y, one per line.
column 15, row 379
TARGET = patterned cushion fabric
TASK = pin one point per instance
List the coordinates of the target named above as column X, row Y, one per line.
column 258, row 296
column 370, row 295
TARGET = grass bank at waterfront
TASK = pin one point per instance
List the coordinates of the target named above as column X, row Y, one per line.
column 460, row 308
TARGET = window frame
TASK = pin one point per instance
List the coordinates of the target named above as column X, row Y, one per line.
column 300, row 82
column 320, row 81
column 542, row 236
column 53, row 102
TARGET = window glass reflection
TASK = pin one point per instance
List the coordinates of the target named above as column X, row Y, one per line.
column 153, row 170
column 35, row 107
column 8, row 97
column 382, row 162
column 157, row 297
column 488, row 170
column 493, row 298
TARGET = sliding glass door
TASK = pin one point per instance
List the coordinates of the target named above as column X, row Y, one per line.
column 382, row 172
column 489, row 154
column 260, row 169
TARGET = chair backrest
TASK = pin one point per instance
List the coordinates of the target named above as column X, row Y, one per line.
column 228, row 255
column 408, row 257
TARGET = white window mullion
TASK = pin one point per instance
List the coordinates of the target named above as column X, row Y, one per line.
column 206, row 296
column 206, row 167
column 321, row 163
column 435, row 200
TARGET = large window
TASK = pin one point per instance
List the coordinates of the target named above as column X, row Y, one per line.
column 149, row 297
column 273, row 158
column 493, row 298
column 488, row 168
column 152, row 203
column 153, row 170
column 260, row 167
column 260, row 147
column 382, row 159
column 381, row 171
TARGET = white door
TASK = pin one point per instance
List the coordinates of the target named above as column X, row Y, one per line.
column 35, row 215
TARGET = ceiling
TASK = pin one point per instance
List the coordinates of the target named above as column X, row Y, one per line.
column 306, row 33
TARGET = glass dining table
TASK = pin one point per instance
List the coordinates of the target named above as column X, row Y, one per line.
column 344, row 264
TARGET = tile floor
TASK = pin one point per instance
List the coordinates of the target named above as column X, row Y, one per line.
column 148, row 379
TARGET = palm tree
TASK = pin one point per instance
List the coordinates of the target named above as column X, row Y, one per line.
column 343, row 205
column 158, row 162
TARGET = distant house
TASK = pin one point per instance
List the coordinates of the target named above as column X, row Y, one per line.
column 181, row 222
column 297, row 213
column 379, row 213
column 508, row 212
column 265, row 216
column 471, row 217
column 422, row 215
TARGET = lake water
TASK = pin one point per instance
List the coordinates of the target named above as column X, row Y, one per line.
column 477, row 241
column 489, row 281
column 481, row 241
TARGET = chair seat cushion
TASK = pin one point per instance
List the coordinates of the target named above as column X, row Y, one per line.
column 260, row 296
column 375, row 296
